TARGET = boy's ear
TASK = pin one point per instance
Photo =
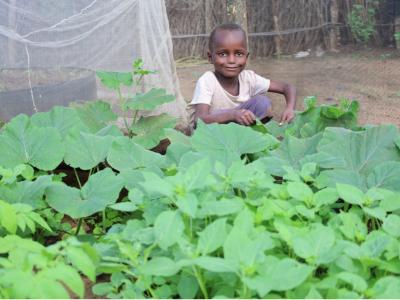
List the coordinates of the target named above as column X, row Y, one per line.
column 209, row 56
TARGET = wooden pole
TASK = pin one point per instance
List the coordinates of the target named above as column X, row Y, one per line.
column 277, row 36
column 334, row 32
column 240, row 15
column 209, row 15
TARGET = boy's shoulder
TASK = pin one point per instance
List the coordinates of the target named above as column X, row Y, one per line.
column 248, row 74
column 208, row 75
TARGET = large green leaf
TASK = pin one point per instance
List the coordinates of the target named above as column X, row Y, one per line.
column 21, row 142
column 226, row 143
column 127, row 155
column 101, row 190
column 160, row 266
column 113, row 80
column 314, row 244
column 242, row 245
column 278, row 275
column 291, row 152
column 212, row 237
column 216, row 264
column 386, row 175
column 392, row 225
column 149, row 131
column 60, row 117
column 150, row 100
column 8, row 217
column 26, row 192
column 95, row 114
column 386, row 288
column 316, row 118
column 168, row 228
column 358, row 154
column 86, row 150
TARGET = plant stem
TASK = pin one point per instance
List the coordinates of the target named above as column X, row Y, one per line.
column 148, row 251
column 245, row 291
column 77, row 178
column 200, row 280
column 79, row 226
column 104, row 220
column 122, row 100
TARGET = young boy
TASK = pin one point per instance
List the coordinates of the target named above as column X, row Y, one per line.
column 231, row 93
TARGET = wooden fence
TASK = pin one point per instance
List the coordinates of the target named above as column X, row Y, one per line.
column 275, row 27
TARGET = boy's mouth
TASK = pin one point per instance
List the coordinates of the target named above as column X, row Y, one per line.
column 232, row 68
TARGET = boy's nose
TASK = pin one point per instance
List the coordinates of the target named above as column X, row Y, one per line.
column 231, row 58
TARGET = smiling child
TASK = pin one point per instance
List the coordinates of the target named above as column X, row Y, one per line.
column 231, row 93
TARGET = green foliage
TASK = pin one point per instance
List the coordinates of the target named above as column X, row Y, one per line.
column 306, row 210
column 397, row 36
column 50, row 272
column 101, row 190
column 362, row 20
column 20, row 216
column 22, row 142
column 145, row 135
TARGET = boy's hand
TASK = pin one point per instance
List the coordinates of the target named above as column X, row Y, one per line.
column 287, row 115
column 243, row 117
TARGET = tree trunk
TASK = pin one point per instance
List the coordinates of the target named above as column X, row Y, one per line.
column 240, row 16
column 277, row 36
column 209, row 16
column 334, row 31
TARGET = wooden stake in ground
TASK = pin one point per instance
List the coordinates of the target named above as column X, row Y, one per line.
column 240, row 15
column 209, row 16
column 277, row 36
column 333, row 33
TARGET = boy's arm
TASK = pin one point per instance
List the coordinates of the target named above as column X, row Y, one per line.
column 289, row 91
column 241, row 116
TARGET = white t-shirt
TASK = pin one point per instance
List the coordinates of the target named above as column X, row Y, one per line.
column 209, row 91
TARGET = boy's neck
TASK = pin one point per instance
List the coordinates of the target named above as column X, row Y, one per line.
column 227, row 81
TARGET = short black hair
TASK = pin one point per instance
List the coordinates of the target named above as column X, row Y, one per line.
column 226, row 26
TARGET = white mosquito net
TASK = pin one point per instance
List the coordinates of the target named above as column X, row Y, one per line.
column 49, row 50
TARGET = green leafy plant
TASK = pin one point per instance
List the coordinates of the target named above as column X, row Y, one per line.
column 397, row 37
column 306, row 210
column 146, row 131
column 362, row 20
column 52, row 271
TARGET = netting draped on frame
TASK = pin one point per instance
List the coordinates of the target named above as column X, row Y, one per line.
column 55, row 45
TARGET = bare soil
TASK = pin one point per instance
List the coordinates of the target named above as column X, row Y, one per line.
column 370, row 76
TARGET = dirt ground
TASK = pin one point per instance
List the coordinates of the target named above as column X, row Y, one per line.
column 370, row 76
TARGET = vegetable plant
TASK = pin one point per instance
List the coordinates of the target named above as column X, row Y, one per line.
column 146, row 131
column 306, row 210
column 362, row 20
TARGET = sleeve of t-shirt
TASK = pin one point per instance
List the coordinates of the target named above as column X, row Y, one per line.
column 259, row 84
column 204, row 90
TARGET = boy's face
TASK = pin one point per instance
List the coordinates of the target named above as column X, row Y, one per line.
column 229, row 53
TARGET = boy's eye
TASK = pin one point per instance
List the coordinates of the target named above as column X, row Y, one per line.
column 222, row 54
column 239, row 54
